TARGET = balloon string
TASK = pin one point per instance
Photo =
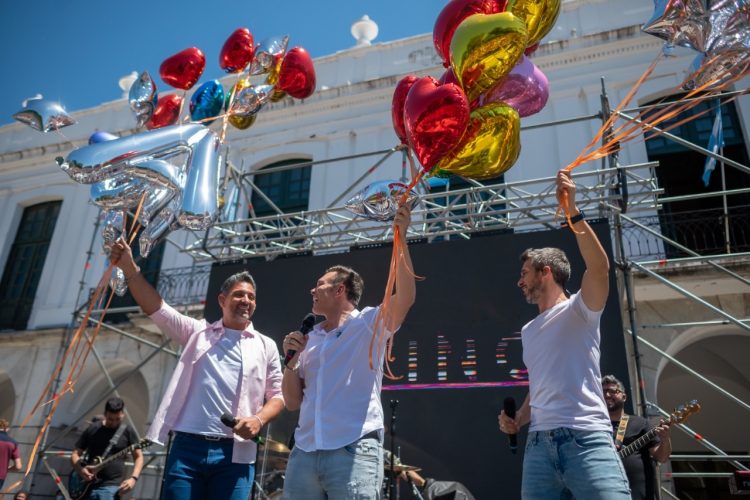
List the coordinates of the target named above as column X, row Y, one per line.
column 77, row 351
column 398, row 259
column 643, row 122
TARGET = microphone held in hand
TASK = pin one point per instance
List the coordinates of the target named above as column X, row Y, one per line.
column 230, row 421
column 509, row 407
column 304, row 329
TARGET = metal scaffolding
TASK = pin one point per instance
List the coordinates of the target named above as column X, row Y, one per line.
column 624, row 194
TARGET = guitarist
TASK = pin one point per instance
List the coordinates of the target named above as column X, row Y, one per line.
column 640, row 467
column 103, row 439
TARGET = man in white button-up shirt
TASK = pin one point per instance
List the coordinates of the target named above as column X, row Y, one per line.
column 338, row 441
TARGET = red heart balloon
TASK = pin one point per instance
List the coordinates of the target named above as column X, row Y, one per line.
column 183, row 69
column 237, row 51
column 297, row 74
column 167, row 111
column 448, row 77
column 436, row 117
column 397, row 105
column 451, row 16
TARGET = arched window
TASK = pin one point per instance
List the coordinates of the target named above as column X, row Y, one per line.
column 25, row 263
column 288, row 189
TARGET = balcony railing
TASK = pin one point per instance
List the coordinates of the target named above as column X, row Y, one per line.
column 707, row 232
column 184, row 286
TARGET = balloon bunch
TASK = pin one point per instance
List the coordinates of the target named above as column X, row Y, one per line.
column 286, row 72
column 721, row 35
column 135, row 173
column 468, row 122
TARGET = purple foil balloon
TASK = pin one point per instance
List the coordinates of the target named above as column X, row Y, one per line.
column 525, row 89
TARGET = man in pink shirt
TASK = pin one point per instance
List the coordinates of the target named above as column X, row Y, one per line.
column 225, row 367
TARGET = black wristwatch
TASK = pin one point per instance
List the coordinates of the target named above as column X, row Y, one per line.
column 576, row 218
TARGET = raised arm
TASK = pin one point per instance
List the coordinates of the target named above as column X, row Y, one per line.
column 406, row 289
column 144, row 294
column 595, row 282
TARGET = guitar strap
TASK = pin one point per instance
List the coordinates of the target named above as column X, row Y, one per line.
column 620, row 436
column 114, row 440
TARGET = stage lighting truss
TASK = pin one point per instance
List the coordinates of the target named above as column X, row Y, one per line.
column 518, row 206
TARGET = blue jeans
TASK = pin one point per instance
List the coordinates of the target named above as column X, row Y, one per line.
column 106, row 492
column 565, row 463
column 352, row 472
column 199, row 469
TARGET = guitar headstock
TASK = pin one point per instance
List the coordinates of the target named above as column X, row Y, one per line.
column 143, row 444
column 682, row 412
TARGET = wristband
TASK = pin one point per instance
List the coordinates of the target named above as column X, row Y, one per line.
column 576, row 218
column 134, row 478
column 137, row 270
column 259, row 419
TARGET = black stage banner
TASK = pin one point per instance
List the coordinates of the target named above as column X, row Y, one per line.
column 458, row 352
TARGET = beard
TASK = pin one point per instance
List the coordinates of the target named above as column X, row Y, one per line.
column 613, row 405
column 533, row 293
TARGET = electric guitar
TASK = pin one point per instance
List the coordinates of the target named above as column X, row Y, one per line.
column 680, row 414
column 78, row 487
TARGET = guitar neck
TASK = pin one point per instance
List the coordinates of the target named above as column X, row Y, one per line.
column 636, row 445
column 115, row 456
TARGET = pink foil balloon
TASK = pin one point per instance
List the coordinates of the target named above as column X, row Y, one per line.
column 525, row 89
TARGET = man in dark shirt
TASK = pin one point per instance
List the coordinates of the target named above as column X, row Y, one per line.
column 640, row 467
column 10, row 458
column 94, row 442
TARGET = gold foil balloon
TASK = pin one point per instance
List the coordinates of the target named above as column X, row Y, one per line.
column 539, row 16
column 277, row 95
column 242, row 122
column 489, row 147
column 484, row 49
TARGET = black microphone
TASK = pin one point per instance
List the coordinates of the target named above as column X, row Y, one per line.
column 304, row 329
column 230, row 421
column 509, row 406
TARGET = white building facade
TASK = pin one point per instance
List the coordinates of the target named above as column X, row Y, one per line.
column 348, row 116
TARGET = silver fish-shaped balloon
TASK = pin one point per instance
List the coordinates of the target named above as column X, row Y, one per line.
column 379, row 200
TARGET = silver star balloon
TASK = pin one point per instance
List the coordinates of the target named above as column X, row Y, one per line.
column 250, row 100
column 379, row 200
column 266, row 53
column 43, row 115
column 143, row 98
column 680, row 22
column 730, row 26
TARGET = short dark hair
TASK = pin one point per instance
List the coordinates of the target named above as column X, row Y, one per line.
column 612, row 380
column 552, row 257
column 352, row 281
column 241, row 277
column 114, row 405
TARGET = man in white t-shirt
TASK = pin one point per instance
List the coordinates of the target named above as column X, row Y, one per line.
column 569, row 451
column 338, row 441
column 225, row 367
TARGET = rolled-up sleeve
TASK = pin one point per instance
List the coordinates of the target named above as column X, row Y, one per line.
column 273, row 373
column 174, row 325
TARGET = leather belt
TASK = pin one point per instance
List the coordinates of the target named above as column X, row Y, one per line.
column 204, row 437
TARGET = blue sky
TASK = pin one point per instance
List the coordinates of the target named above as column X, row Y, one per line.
column 74, row 51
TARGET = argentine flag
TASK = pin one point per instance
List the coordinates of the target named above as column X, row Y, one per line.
column 715, row 143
